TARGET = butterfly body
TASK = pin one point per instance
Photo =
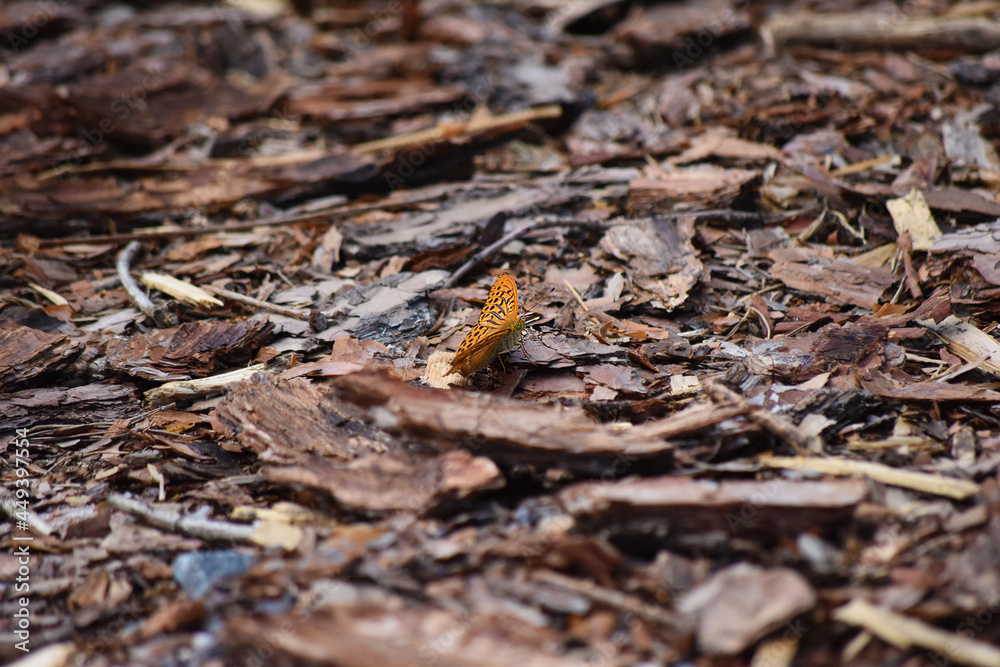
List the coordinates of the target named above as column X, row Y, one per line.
column 498, row 329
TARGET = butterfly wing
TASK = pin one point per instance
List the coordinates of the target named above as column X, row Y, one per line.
column 481, row 346
column 500, row 309
column 497, row 321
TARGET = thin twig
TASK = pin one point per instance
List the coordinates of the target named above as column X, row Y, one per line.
column 314, row 317
column 735, row 217
column 493, row 248
column 487, row 251
column 293, row 216
column 161, row 316
column 441, row 318
column 184, row 232
column 726, row 215
column 651, row 613
column 204, row 529
column 801, row 441
column 577, row 296
column 736, row 327
column 905, row 243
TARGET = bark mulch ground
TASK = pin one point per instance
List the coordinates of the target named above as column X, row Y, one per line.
column 753, row 419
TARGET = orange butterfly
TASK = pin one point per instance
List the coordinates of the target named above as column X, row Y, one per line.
column 498, row 329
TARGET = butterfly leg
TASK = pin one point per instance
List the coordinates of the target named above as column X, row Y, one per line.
column 524, row 351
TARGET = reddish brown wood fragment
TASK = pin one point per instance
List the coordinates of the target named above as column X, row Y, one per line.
column 929, row 391
column 681, row 504
column 501, row 428
column 838, row 281
column 286, row 422
column 173, row 616
column 704, row 187
column 194, row 349
column 27, row 355
column 389, row 482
